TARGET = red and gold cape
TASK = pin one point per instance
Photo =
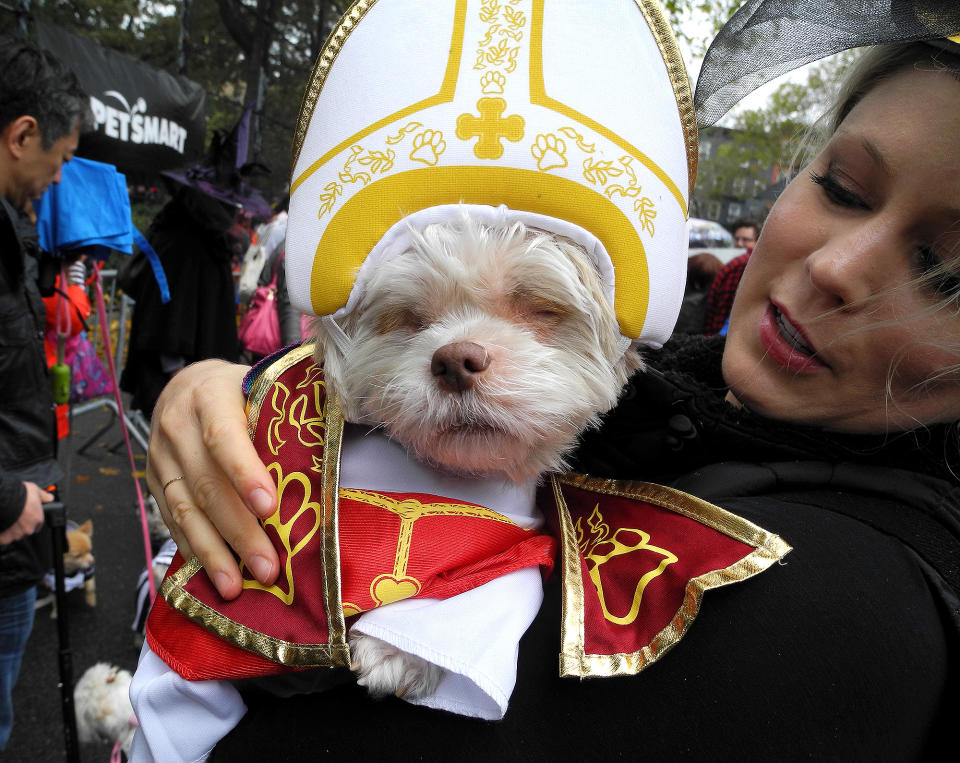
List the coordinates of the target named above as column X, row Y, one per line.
column 635, row 558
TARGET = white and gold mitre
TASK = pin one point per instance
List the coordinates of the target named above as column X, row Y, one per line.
column 570, row 115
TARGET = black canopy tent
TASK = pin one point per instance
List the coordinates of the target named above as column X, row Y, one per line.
column 146, row 119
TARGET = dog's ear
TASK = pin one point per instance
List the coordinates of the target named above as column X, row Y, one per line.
column 86, row 528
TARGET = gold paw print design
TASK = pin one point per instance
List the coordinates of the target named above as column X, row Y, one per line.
column 550, row 152
column 491, row 83
column 428, row 147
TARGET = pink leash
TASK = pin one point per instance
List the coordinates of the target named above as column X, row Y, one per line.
column 105, row 330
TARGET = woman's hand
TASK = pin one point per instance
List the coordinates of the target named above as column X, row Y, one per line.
column 199, row 432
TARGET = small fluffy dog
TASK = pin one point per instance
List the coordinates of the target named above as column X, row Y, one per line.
column 484, row 351
column 102, row 702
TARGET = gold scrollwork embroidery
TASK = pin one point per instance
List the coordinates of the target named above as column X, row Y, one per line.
column 284, row 531
column 407, row 128
column 601, row 546
column 488, row 38
column 332, row 191
column 489, row 10
column 347, row 175
column 304, row 412
column 516, row 20
column 600, row 171
column 642, row 205
column 377, row 162
column 510, row 25
column 587, row 148
column 278, row 402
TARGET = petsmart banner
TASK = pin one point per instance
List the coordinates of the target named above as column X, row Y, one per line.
column 145, row 119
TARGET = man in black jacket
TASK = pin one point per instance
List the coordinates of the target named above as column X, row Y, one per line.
column 42, row 108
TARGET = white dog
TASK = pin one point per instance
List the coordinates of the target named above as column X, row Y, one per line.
column 481, row 352
column 102, row 702
column 484, row 351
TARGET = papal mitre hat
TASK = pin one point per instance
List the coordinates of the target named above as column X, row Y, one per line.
column 573, row 116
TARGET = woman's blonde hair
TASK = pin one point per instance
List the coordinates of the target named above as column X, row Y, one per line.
column 877, row 64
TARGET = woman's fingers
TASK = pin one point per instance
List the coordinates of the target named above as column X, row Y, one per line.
column 211, row 539
column 199, row 432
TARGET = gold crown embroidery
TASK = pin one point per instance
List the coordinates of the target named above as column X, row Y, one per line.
column 601, row 546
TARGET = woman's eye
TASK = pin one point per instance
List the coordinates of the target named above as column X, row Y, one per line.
column 836, row 192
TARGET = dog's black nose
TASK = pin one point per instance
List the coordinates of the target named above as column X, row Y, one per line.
column 457, row 364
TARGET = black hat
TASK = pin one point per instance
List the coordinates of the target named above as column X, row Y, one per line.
column 225, row 175
column 767, row 38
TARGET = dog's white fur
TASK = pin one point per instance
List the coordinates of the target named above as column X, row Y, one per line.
column 534, row 305
column 102, row 703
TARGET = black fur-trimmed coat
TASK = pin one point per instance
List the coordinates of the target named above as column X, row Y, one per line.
column 847, row 650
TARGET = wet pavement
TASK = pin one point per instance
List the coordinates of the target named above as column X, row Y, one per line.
column 99, row 486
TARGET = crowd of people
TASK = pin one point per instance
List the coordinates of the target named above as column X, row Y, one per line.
column 817, row 397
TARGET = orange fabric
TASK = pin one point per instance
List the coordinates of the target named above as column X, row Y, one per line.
column 65, row 310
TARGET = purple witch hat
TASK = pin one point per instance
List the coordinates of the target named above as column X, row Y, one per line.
column 225, row 174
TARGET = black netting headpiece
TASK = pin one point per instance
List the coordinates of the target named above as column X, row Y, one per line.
column 767, row 38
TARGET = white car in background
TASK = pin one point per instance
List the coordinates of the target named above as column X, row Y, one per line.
column 710, row 236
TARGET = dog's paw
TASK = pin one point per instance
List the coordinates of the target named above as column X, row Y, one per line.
column 383, row 669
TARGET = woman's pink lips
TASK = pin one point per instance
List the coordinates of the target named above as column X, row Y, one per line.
column 780, row 351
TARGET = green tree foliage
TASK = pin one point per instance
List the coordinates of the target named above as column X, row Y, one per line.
column 233, row 48
column 695, row 22
column 229, row 47
column 763, row 142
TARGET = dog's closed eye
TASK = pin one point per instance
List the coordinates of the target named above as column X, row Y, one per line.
column 539, row 313
column 402, row 319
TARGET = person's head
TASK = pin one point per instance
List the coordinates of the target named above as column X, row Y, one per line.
column 745, row 234
column 42, row 109
column 848, row 314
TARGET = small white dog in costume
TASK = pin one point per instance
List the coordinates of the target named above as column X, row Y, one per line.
column 486, row 228
column 484, row 350
column 102, row 703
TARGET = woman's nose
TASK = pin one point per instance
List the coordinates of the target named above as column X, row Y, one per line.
column 848, row 269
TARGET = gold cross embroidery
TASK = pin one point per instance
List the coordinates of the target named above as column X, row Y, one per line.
column 490, row 127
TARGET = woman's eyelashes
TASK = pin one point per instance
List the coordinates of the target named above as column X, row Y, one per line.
column 927, row 264
column 836, row 192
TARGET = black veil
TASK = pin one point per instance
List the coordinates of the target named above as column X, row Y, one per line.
column 767, row 38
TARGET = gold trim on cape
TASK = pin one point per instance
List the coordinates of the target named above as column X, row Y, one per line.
column 283, row 652
column 336, row 651
column 574, row 661
column 330, row 540
column 267, row 378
